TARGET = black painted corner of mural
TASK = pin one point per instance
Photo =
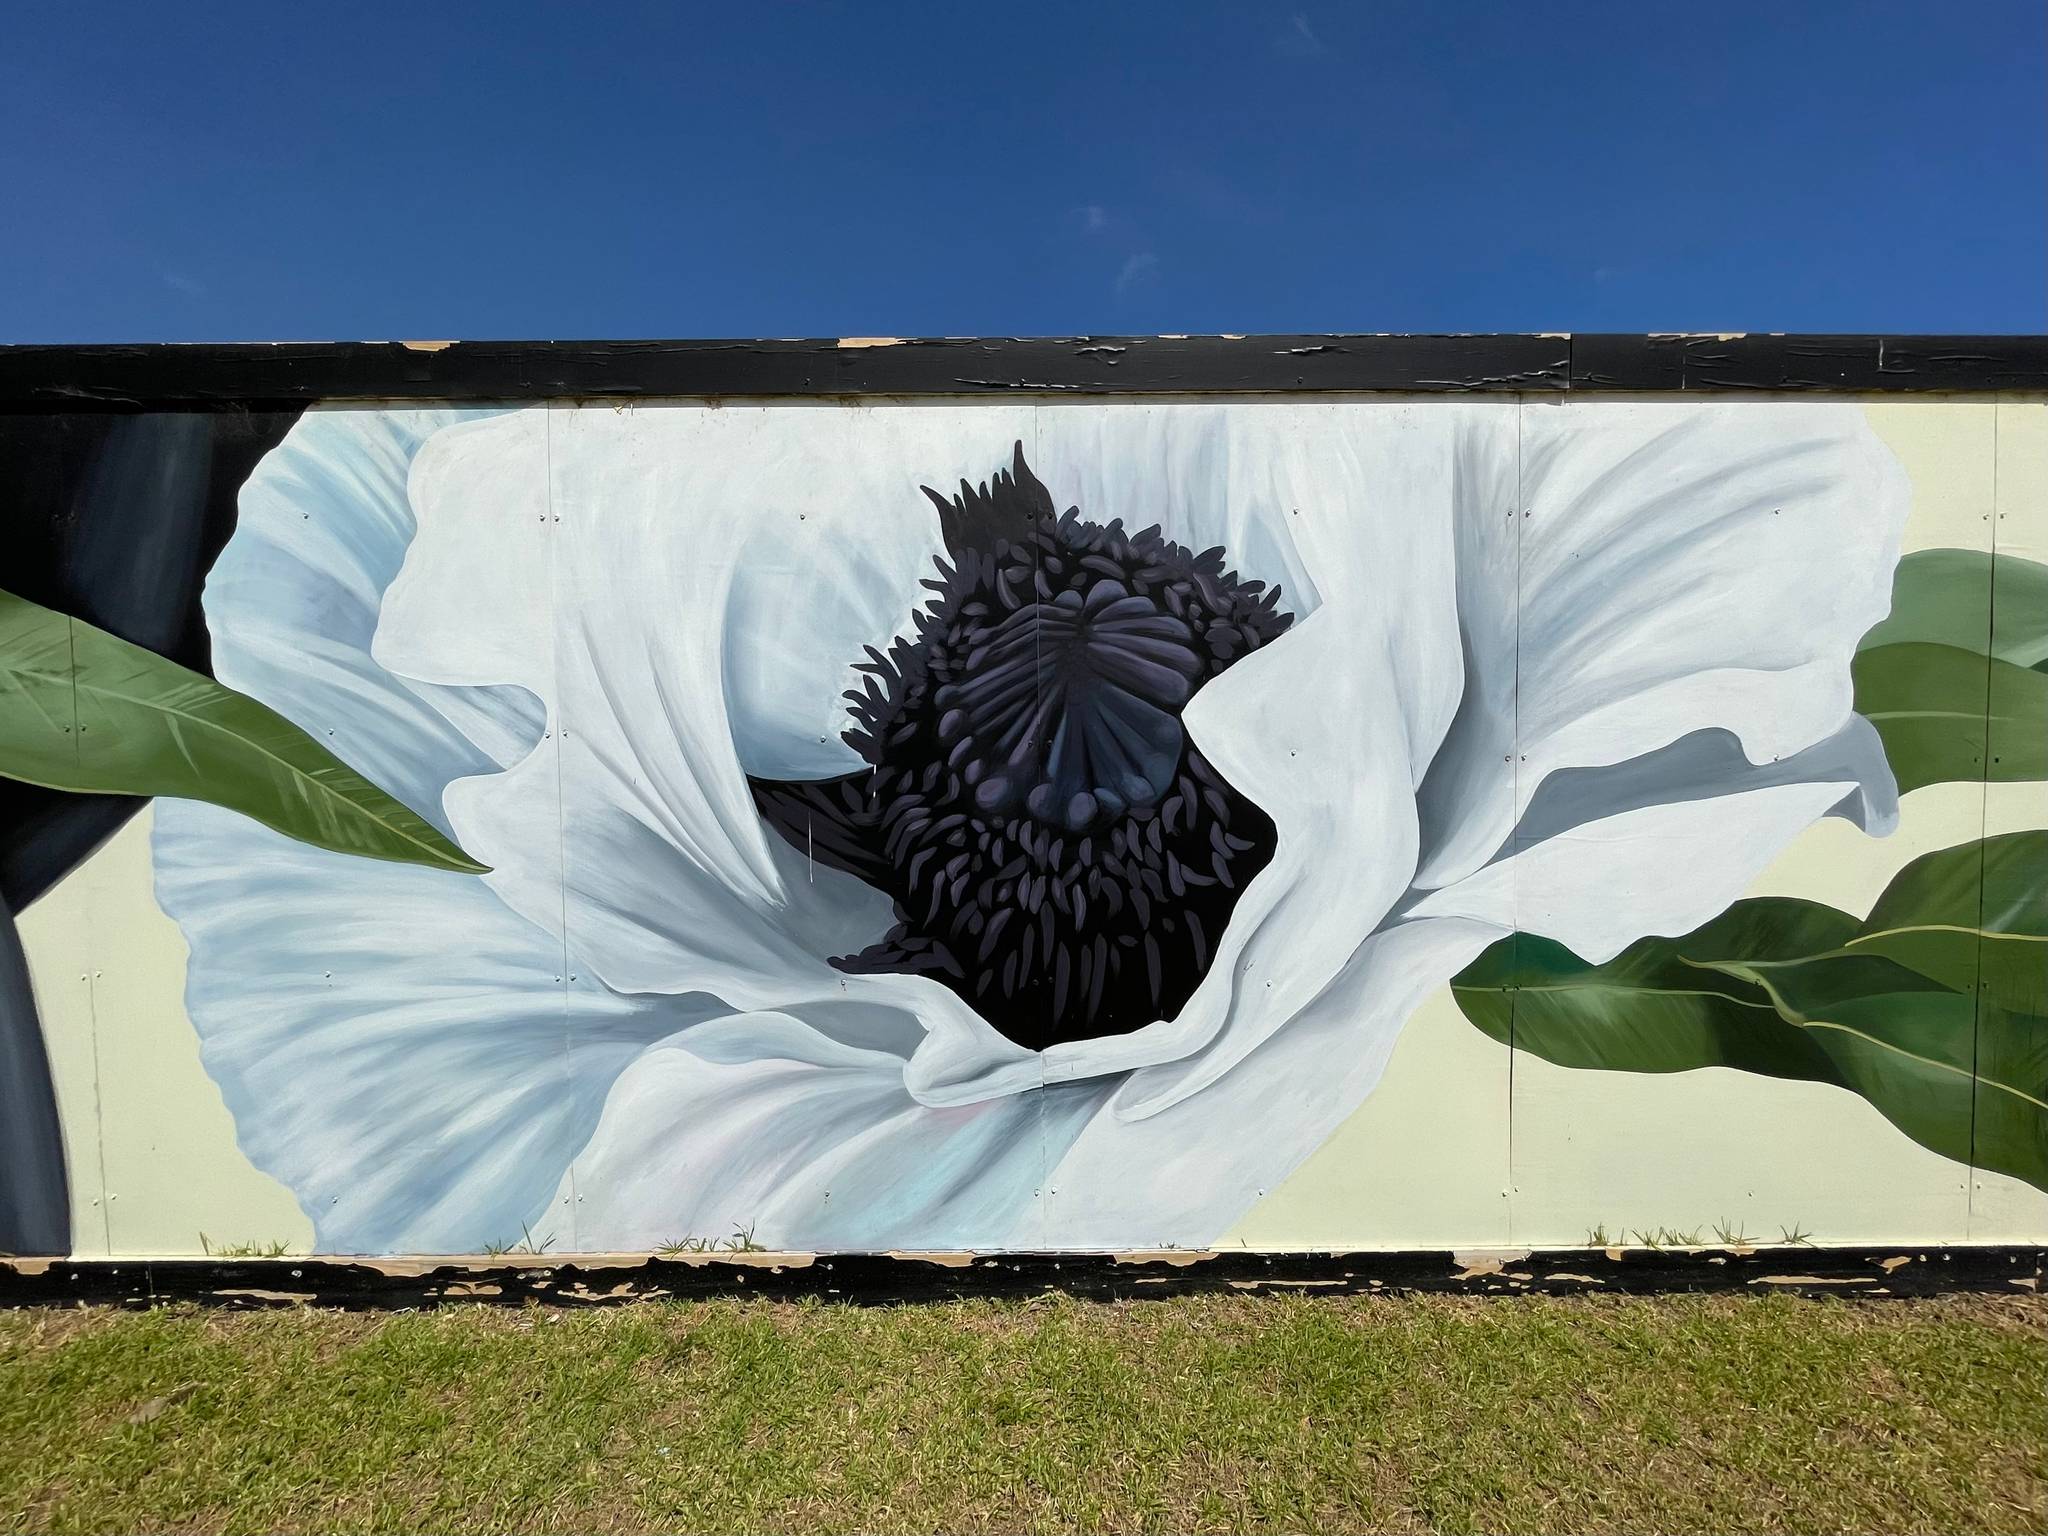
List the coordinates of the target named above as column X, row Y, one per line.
column 1058, row 852
column 113, row 518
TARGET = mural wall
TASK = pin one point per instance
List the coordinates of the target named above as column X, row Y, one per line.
column 1088, row 823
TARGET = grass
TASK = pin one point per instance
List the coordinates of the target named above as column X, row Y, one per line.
column 526, row 1244
column 741, row 1241
column 1210, row 1412
column 213, row 1250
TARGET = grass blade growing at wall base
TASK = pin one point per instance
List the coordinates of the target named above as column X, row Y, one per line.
column 81, row 709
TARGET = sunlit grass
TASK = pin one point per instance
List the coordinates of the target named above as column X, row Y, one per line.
column 1433, row 1413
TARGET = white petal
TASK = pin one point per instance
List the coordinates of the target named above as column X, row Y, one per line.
column 1662, row 869
column 768, row 1125
column 630, row 828
column 395, row 1046
column 1185, row 1175
column 764, row 1125
column 383, row 1035
column 1208, row 475
column 1331, row 728
column 1710, row 763
column 1668, row 580
column 672, row 882
column 687, row 539
column 291, row 605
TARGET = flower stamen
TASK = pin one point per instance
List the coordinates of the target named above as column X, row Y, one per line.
column 1058, row 852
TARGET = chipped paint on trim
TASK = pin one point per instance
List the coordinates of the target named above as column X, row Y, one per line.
column 616, row 1279
column 173, row 375
column 1497, row 1257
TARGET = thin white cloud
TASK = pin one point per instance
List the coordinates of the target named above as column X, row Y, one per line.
column 1298, row 40
column 1137, row 269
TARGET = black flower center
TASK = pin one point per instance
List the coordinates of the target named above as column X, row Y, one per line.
column 1058, row 852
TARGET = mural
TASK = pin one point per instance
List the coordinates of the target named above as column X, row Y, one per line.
column 919, row 826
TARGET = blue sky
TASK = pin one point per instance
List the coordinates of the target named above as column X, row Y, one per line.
column 216, row 171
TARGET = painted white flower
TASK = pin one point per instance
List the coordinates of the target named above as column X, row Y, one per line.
column 1581, row 670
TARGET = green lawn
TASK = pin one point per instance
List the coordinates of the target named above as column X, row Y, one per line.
column 1673, row 1414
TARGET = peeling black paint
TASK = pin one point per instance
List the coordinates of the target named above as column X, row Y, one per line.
column 1876, row 364
column 887, row 1279
column 142, row 377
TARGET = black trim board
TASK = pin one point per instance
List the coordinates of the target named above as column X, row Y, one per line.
column 169, row 376
column 1905, row 1270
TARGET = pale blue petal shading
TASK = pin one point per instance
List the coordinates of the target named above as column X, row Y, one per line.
column 396, row 1046
column 798, row 1131
column 1710, row 763
column 293, row 601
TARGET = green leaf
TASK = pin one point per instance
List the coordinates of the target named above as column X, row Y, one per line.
column 1647, row 1010
column 1945, row 597
column 1898, row 1039
column 1965, row 647
column 81, row 709
column 1939, row 597
column 2019, row 612
column 1973, row 916
column 1934, row 1009
column 1931, row 705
